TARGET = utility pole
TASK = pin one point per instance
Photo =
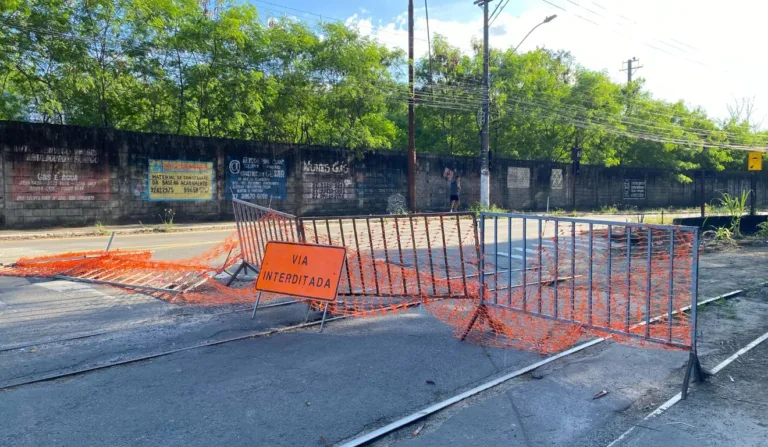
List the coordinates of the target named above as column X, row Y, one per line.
column 485, row 175
column 630, row 68
column 411, row 117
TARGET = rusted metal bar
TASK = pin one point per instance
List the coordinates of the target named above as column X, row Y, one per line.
column 429, row 256
column 357, row 250
column 445, row 254
column 386, row 255
column 400, row 252
column 415, row 255
column 461, row 256
column 373, row 255
column 346, row 264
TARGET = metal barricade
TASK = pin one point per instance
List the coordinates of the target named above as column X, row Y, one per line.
column 619, row 279
column 257, row 225
column 416, row 255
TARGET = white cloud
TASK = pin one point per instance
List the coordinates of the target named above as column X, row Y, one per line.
column 719, row 63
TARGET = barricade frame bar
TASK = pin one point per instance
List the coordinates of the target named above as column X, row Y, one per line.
column 630, row 251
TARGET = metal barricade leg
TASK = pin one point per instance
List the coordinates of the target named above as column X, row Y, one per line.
column 309, row 309
column 256, row 305
column 481, row 264
column 693, row 359
column 237, row 272
column 693, row 366
column 325, row 312
column 481, row 313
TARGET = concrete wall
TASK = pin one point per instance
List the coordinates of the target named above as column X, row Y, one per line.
column 68, row 175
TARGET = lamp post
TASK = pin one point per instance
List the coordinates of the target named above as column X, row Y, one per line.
column 546, row 20
column 485, row 173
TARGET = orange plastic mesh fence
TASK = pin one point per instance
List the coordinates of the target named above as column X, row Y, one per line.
column 257, row 225
column 545, row 282
column 397, row 262
column 197, row 280
column 607, row 279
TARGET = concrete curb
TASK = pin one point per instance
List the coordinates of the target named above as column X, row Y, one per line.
column 118, row 231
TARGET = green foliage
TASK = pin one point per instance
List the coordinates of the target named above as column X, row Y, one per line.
column 167, row 220
column 721, row 234
column 216, row 69
column 612, row 209
column 651, row 219
column 735, row 206
column 100, row 228
column 762, row 230
column 478, row 208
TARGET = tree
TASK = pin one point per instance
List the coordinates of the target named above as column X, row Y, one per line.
column 212, row 68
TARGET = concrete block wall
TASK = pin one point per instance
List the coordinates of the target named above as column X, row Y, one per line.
column 103, row 176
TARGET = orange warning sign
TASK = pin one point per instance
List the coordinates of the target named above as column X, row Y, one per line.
column 303, row 270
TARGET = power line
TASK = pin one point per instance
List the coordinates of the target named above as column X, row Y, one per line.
column 623, row 118
column 429, row 40
column 468, row 105
column 624, row 35
column 466, row 95
column 638, row 25
column 497, row 12
column 465, row 101
column 322, row 17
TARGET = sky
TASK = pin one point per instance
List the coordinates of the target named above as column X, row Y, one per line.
column 704, row 52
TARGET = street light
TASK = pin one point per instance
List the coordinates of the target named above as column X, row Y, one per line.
column 485, row 174
column 546, row 20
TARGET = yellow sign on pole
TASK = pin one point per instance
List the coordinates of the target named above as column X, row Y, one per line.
column 755, row 162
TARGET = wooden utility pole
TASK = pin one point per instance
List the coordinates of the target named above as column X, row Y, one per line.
column 631, row 68
column 411, row 117
column 485, row 174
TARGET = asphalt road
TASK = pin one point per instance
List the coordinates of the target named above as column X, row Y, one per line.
column 182, row 245
column 359, row 374
column 166, row 246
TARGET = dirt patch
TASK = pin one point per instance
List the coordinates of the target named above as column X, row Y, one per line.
column 733, row 269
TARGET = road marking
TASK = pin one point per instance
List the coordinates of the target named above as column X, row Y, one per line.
column 368, row 437
column 259, row 334
column 739, row 353
column 68, row 286
column 677, row 397
column 165, row 246
column 121, row 235
column 24, row 253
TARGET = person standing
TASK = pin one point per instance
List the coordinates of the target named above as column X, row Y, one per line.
column 455, row 190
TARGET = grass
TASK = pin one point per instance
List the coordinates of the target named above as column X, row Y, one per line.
column 477, row 208
column 561, row 212
column 167, row 220
column 166, row 224
column 762, row 231
column 100, row 228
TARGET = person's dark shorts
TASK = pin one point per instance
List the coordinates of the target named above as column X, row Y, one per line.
column 456, row 198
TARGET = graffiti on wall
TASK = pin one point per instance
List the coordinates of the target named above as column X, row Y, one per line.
column 180, row 180
column 518, row 178
column 250, row 178
column 339, row 167
column 56, row 173
column 338, row 190
column 556, row 179
column 396, row 204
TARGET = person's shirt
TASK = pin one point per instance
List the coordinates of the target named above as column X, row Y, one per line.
column 454, row 187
